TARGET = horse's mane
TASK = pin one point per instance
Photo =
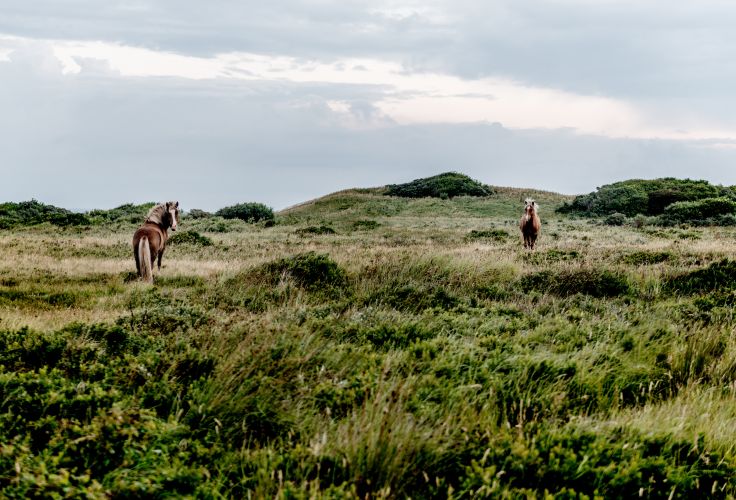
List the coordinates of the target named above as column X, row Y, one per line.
column 531, row 201
column 157, row 213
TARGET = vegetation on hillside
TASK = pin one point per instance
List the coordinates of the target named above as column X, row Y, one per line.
column 417, row 350
column 671, row 200
column 248, row 212
column 189, row 238
column 29, row 213
column 447, row 185
column 129, row 212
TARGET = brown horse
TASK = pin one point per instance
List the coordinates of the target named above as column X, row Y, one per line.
column 150, row 239
column 530, row 223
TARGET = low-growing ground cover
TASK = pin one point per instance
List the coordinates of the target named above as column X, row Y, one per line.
column 425, row 354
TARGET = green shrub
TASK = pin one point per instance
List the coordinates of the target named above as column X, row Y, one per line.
column 365, row 225
column 579, row 464
column 414, row 298
column 41, row 299
column 384, row 335
column 707, row 211
column 496, row 235
column 447, row 185
column 196, row 213
column 249, row 212
column 311, row 271
column 637, row 196
column 615, row 219
column 161, row 314
column 551, row 255
column 717, row 276
column 643, row 257
column 219, row 225
column 190, row 238
column 30, row 213
column 124, row 213
column 315, row 230
column 593, row 282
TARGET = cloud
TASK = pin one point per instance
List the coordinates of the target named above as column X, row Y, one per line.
column 671, row 62
column 414, row 97
column 99, row 139
column 614, row 48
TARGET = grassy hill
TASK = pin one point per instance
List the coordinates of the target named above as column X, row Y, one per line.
column 344, row 207
column 370, row 346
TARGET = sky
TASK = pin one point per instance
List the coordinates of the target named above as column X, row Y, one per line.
column 214, row 103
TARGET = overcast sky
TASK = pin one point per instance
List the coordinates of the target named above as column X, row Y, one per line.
column 219, row 102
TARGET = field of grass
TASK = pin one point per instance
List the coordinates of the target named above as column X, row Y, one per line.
column 371, row 346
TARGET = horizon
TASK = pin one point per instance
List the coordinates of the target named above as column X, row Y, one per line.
column 279, row 209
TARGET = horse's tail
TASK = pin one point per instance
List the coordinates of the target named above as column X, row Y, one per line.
column 144, row 257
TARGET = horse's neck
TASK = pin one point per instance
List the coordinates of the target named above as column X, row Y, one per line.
column 160, row 226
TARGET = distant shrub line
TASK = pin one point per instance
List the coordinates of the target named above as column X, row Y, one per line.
column 666, row 201
column 31, row 213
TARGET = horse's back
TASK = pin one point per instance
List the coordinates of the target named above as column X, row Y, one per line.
column 156, row 238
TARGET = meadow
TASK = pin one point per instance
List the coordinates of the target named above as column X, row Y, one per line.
column 371, row 346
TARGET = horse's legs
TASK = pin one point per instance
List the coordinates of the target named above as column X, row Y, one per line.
column 137, row 261
column 160, row 256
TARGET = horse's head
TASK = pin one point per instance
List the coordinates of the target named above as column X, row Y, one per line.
column 530, row 207
column 172, row 214
column 165, row 215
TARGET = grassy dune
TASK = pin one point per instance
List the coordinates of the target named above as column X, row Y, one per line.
column 413, row 349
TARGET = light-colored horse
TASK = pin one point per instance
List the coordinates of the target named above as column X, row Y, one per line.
column 530, row 224
column 150, row 239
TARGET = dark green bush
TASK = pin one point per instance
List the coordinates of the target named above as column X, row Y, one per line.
column 79, row 407
column 551, row 255
column 249, row 212
column 637, row 196
column 615, row 219
column 365, row 225
column 597, row 283
column 447, row 185
column 190, row 238
column 413, row 298
column 160, row 314
column 497, row 235
column 315, row 230
column 40, row 299
column 575, row 464
column 647, row 258
column 30, row 213
column 311, row 271
column 717, row 276
column 707, row 211
column 385, row 335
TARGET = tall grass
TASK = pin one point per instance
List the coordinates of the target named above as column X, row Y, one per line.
column 410, row 359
